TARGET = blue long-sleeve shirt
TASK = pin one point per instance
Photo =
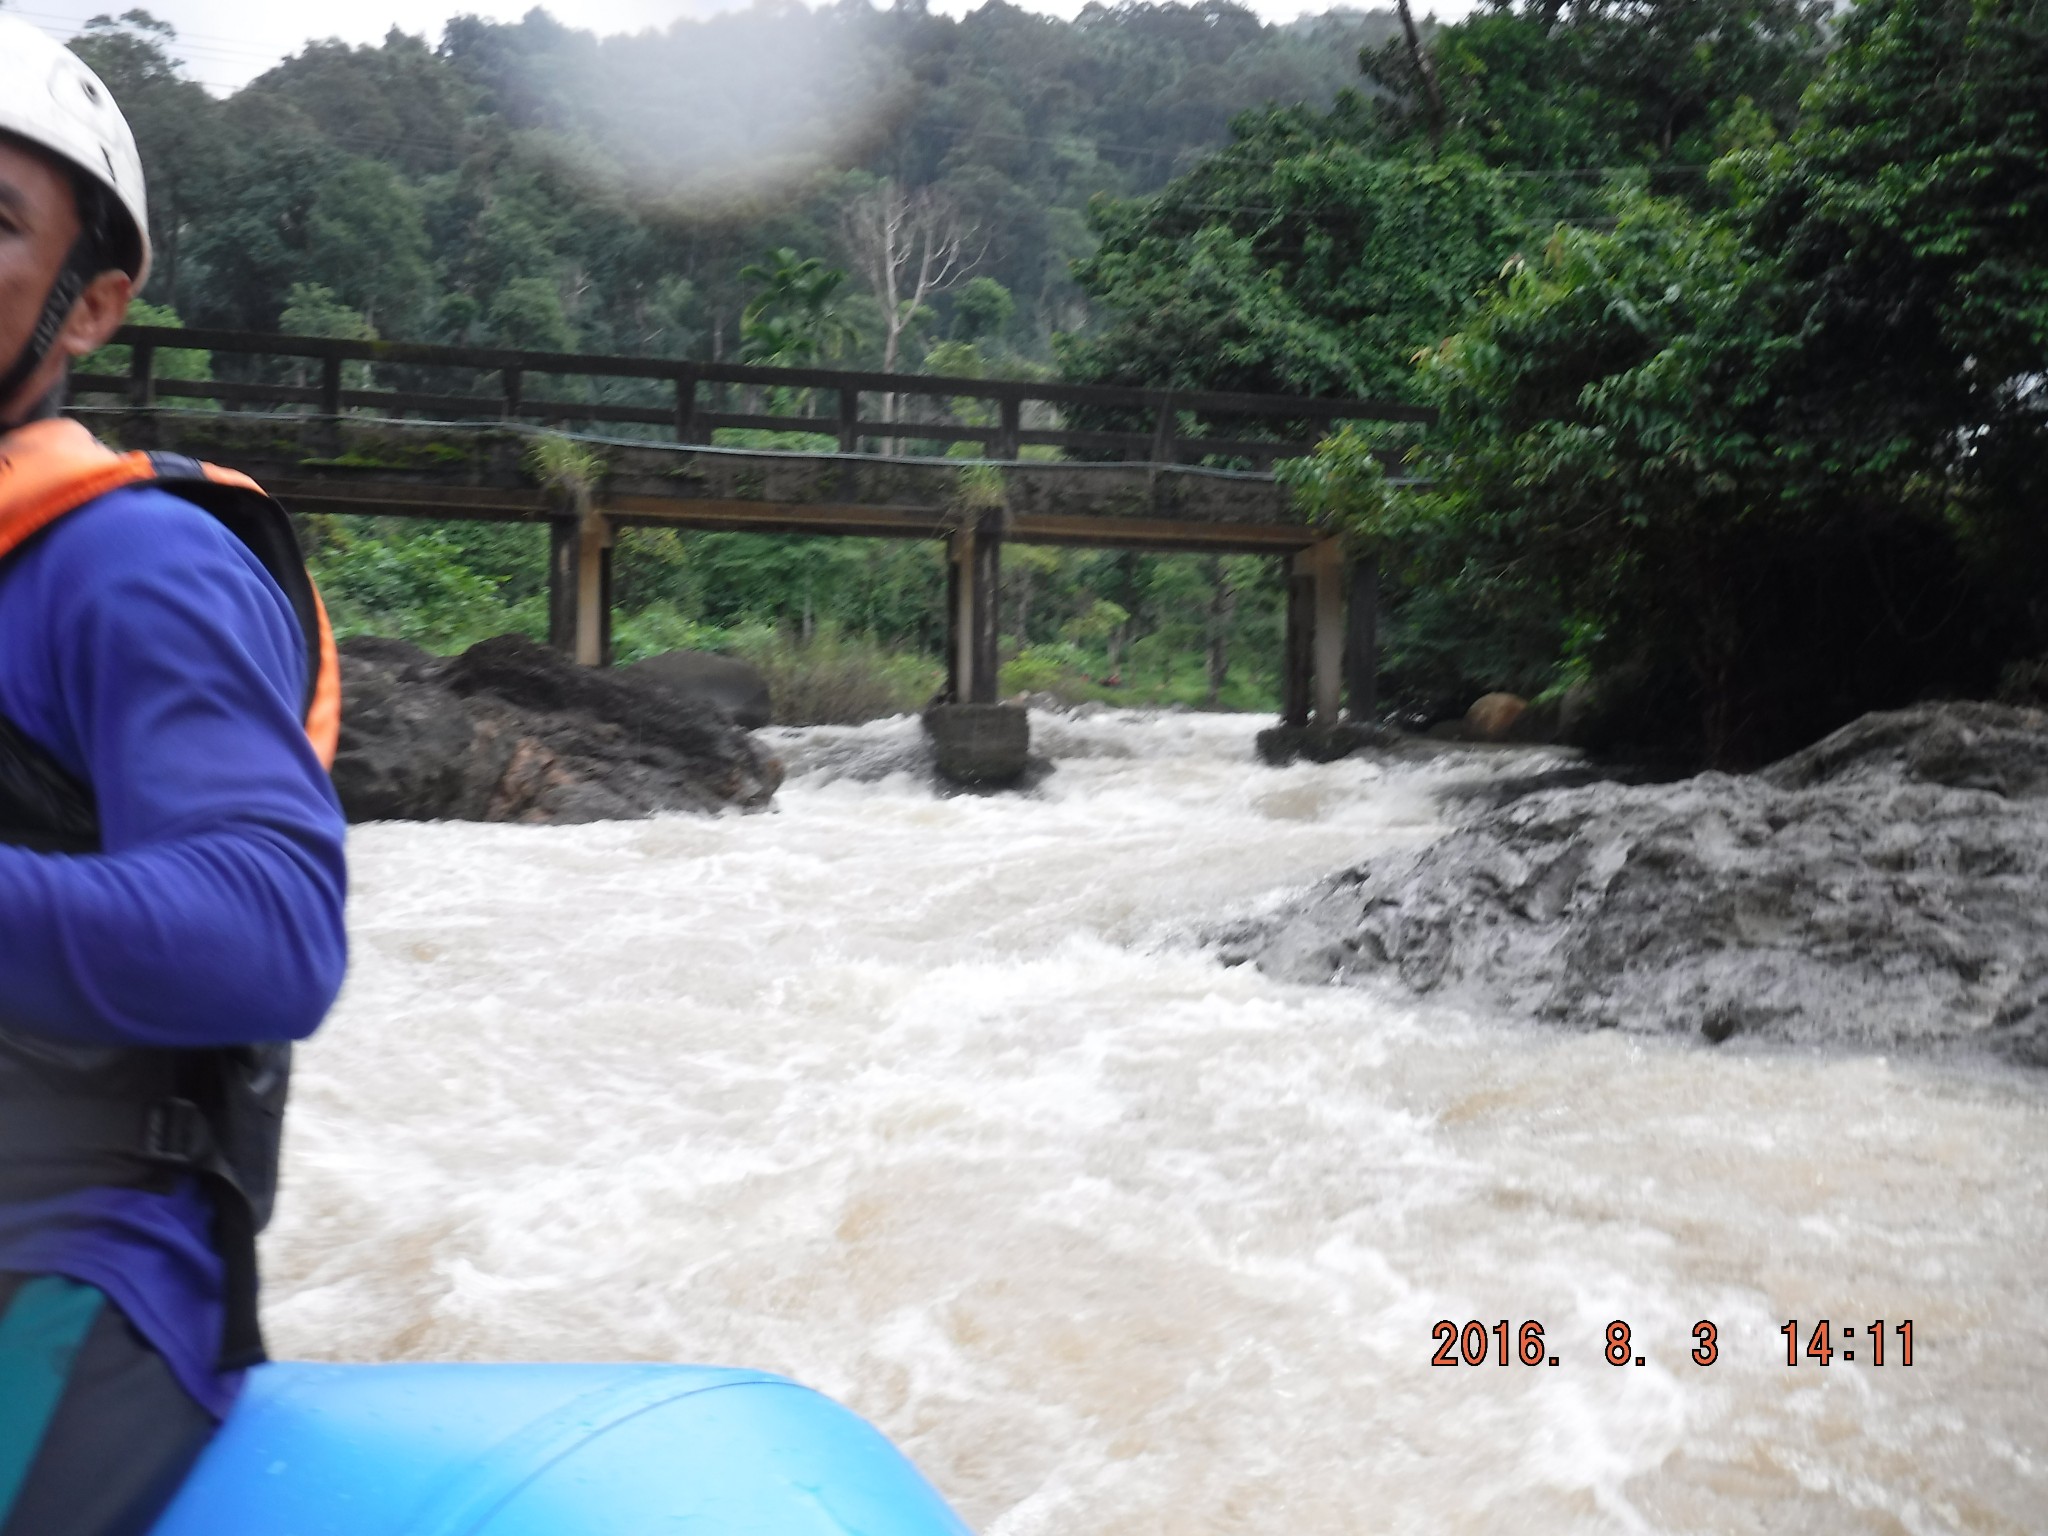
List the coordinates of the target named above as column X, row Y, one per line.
column 146, row 649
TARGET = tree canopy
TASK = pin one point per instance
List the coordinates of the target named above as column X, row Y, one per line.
column 432, row 185
column 1767, row 450
column 1735, row 311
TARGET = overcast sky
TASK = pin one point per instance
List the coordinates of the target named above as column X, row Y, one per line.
column 228, row 42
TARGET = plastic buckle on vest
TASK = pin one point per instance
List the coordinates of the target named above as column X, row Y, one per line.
column 176, row 466
column 175, row 1131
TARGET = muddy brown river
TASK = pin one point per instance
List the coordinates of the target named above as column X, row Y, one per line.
column 930, row 1103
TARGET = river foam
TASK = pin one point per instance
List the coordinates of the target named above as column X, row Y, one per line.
column 930, row 1103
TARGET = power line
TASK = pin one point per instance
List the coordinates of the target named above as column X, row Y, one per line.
column 182, row 42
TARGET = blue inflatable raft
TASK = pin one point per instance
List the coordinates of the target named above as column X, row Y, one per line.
column 548, row 1450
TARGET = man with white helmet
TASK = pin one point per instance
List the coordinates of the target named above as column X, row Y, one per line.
column 171, row 872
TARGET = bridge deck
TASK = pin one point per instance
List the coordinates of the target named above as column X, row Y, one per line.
column 431, row 470
column 324, row 447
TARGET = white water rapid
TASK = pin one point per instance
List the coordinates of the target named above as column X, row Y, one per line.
column 929, row 1103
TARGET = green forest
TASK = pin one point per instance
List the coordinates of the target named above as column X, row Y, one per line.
column 1735, row 312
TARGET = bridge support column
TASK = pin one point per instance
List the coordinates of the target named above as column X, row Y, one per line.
column 1326, row 561
column 1312, row 676
column 580, row 587
column 973, row 588
column 1362, row 642
column 977, row 742
column 1297, row 662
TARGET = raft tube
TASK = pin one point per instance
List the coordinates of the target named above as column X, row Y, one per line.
column 547, row 1450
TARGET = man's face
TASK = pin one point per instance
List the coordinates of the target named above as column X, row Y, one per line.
column 38, row 224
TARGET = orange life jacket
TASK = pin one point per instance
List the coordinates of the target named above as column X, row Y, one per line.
column 50, row 468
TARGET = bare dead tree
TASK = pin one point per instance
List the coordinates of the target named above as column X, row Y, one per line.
column 909, row 246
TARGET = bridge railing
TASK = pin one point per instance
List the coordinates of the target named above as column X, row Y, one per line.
column 696, row 399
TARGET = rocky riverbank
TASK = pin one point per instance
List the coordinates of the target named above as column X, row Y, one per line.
column 513, row 731
column 1885, row 889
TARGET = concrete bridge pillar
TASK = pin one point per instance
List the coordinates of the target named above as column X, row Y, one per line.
column 974, row 569
column 1332, row 657
column 1312, row 679
column 580, row 587
column 978, row 742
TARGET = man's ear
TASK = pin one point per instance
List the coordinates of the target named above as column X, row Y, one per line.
column 97, row 314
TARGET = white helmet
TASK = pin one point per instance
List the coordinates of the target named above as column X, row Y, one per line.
column 49, row 98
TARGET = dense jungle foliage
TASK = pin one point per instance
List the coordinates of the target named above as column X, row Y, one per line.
column 1737, row 317
column 1736, row 312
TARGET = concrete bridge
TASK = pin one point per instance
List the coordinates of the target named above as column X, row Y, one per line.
column 448, row 433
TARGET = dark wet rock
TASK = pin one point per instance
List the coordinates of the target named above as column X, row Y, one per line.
column 1886, row 889
column 1964, row 746
column 1279, row 745
column 2025, row 682
column 513, row 731
column 735, row 686
column 409, row 749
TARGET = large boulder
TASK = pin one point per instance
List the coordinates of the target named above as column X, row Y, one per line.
column 735, row 686
column 1502, row 717
column 1884, row 889
column 513, row 731
column 1493, row 715
column 1963, row 745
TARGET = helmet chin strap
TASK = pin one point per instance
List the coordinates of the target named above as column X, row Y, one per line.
column 64, row 295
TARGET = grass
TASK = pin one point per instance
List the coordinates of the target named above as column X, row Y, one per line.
column 1149, row 676
column 834, row 678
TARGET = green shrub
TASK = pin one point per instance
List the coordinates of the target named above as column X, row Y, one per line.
column 835, row 678
column 659, row 628
column 418, row 587
column 1061, row 669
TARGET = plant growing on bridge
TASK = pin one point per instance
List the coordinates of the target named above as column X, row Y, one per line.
column 979, row 488
column 566, row 465
column 565, row 468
